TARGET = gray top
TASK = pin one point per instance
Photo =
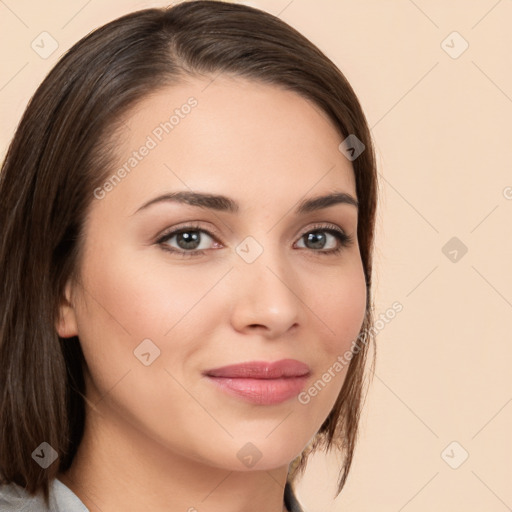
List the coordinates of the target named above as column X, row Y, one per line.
column 14, row 498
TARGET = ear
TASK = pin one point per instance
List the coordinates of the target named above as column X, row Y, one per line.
column 66, row 325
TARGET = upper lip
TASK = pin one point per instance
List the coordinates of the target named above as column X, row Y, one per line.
column 262, row 370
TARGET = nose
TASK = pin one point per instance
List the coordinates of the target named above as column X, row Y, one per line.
column 266, row 297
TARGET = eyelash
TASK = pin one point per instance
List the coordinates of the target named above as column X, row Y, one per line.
column 343, row 239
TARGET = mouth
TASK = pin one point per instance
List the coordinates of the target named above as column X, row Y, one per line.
column 261, row 382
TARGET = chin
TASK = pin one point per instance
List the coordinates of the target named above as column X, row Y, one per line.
column 259, row 454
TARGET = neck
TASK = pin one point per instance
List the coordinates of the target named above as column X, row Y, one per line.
column 118, row 467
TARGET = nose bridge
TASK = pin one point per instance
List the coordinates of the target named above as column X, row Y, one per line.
column 266, row 290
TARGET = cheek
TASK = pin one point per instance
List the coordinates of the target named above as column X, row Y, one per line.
column 132, row 294
column 340, row 302
column 119, row 308
column 129, row 299
column 127, row 302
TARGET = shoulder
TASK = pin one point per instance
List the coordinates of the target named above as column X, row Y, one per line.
column 14, row 498
column 291, row 502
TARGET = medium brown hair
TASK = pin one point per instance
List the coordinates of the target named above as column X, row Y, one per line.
column 63, row 149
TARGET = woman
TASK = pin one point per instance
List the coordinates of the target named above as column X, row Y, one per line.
column 187, row 219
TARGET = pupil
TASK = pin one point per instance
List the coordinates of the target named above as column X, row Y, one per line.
column 317, row 238
column 188, row 239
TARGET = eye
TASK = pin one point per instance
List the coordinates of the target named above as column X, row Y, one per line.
column 325, row 239
column 187, row 240
column 192, row 240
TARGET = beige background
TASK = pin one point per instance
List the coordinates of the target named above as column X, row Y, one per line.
column 443, row 130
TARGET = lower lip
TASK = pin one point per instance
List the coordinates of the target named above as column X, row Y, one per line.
column 262, row 391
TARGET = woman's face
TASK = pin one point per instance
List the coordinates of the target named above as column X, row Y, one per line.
column 251, row 278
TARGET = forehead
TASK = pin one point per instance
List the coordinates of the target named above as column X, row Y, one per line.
column 231, row 136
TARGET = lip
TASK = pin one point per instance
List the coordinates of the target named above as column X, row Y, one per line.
column 261, row 382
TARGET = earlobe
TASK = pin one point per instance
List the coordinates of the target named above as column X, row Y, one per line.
column 66, row 325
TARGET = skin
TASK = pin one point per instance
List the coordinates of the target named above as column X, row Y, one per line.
column 162, row 437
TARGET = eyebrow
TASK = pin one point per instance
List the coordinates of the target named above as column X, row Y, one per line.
column 225, row 204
